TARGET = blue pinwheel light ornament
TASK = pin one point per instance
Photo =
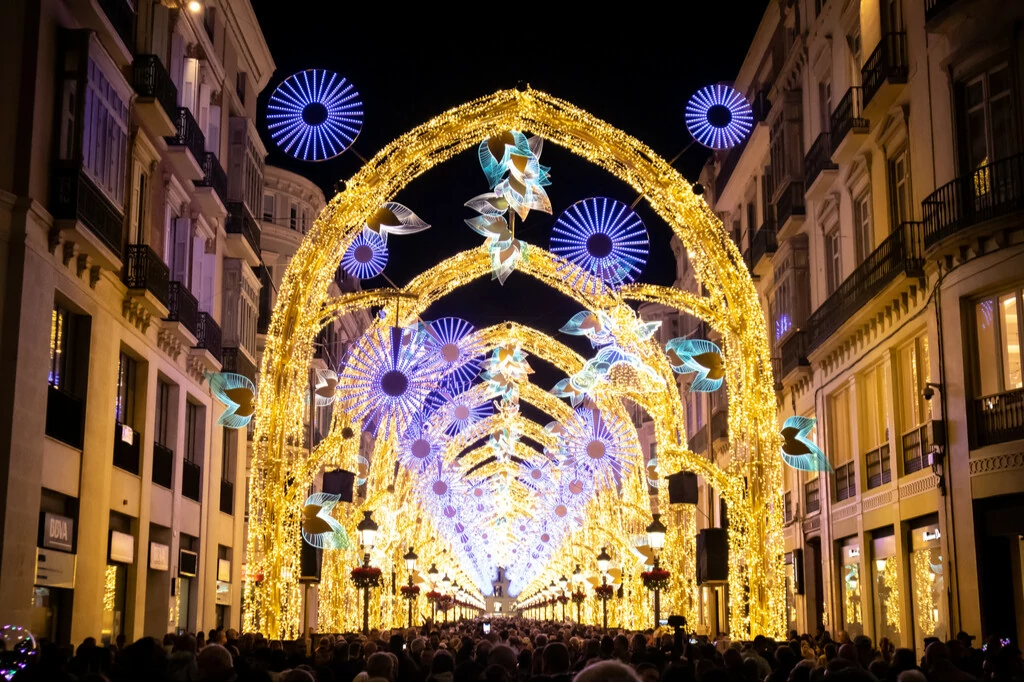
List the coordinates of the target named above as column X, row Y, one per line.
column 700, row 356
column 366, row 256
column 386, row 380
column 319, row 528
column 798, row 450
column 314, row 115
column 719, row 117
column 605, row 239
column 455, row 349
column 238, row 393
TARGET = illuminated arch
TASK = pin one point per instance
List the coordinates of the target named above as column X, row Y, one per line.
column 731, row 307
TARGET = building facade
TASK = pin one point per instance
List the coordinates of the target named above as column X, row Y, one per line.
column 130, row 201
column 879, row 205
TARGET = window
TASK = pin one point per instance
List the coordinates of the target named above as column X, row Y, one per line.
column 782, row 314
column 787, row 507
column 874, row 429
column 833, row 261
column 988, row 117
column 192, row 436
column 293, row 217
column 825, row 104
column 840, row 452
column 268, row 207
column 899, row 188
column 163, row 413
column 812, row 495
column 209, row 20
column 864, row 237
column 997, row 326
column 140, row 189
column 60, row 324
column 104, row 133
column 240, row 85
column 124, row 406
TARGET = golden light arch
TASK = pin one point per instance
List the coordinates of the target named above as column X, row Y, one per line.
column 731, row 307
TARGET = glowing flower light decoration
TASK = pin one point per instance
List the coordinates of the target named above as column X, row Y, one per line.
column 452, row 343
column 700, row 356
column 325, row 387
column 362, row 470
column 603, row 237
column 238, row 393
column 314, row 115
column 385, row 381
column 319, row 528
column 597, row 444
column 459, row 413
column 595, row 326
column 719, row 117
column 366, row 256
column 798, row 450
column 419, row 448
column 512, row 153
column 504, row 370
column 395, row 219
column 503, row 443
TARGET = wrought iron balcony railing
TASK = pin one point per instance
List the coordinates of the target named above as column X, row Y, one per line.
column 163, row 466
column 213, row 176
column 790, row 203
column 887, row 63
column 208, row 335
column 902, row 253
column 146, row 270
column 991, row 191
column 189, row 134
column 848, row 115
column 819, row 158
column 999, row 418
column 151, row 79
column 76, row 197
column 182, row 307
column 794, row 351
column 763, row 243
column 240, row 222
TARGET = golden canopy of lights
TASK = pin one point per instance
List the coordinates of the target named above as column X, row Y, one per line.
column 751, row 482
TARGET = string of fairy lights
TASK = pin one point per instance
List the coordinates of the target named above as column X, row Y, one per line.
column 595, row 493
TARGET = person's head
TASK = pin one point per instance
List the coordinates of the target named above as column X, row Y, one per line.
column 648, row 672
column 186, row 643
column 848, row 652
column 638, row 643
column 379, row 665
column 505, row 657
column 609, row 670
column 215, row 663
column 911, row 675
column 442, row 663
column 120, row 641
column 556, row 659
column 325, row 643
column 369, row 648
column 935, row 653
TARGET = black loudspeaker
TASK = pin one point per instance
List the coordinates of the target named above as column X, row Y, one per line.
column 682, row 488
column 712, row 556
column 309, row 572
column 340, row 482
column 798, row 571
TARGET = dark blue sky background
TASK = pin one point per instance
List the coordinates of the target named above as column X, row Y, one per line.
column 634, row 68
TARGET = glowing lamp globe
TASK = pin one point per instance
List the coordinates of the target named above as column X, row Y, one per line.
column 656, row 533
column 367, row 529
column 410, row 560
column 604, row 561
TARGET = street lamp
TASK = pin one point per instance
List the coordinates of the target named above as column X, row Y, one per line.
column 432, row 576
column 367, row 529
column 446, row 586
column 563, row 582
column 604, row 560
column 553, row 592
column 656, row 539
column 410, row 564
column 577, row 579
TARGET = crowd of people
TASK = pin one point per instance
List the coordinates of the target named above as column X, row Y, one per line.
column 522, row 650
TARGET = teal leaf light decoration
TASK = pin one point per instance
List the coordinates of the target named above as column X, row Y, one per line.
column 798, row 451
column 319, row 528
column 238, row 393
column 700, row 356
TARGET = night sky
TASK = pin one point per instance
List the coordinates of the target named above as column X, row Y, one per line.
column 634, row 69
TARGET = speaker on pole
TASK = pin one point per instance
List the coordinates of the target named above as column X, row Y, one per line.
column 340, row 482
column 682, row 488
column 712, row 556
column 309, row 571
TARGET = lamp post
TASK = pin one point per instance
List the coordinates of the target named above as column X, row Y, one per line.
column 577, row 580
column 446, row 586
column 410, row 564
column 604, row 560
column 656, row 539
column 432, row 576
column 553, row 592
column 562, row 583
column 367, row 529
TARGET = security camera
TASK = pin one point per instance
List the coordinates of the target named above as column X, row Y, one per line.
column 928, row 392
